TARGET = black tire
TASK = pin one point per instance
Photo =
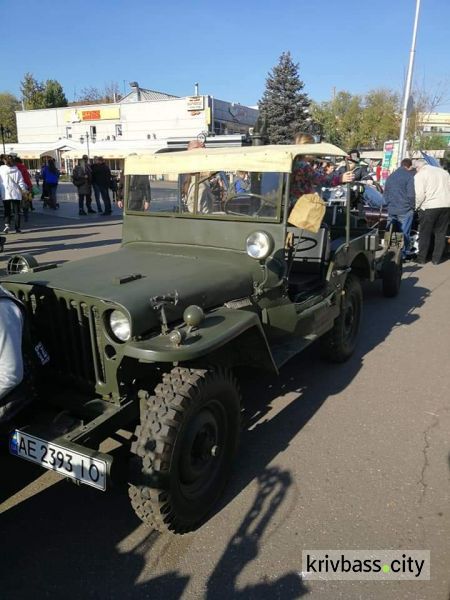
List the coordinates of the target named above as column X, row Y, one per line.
column 391, row 278
column 184, row 447
column 338, row 344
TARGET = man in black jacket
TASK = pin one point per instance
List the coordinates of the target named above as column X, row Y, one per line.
column 101, row 177
column 400, row 199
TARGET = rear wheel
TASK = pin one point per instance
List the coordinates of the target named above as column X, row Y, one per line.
column 339, row 343
column 391, row 277
column 184, row 447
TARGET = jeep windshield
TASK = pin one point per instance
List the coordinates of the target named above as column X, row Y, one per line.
column 241, row 195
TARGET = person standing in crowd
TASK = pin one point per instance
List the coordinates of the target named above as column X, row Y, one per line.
column 27, row 178
column 81, row 179
column 432, row 187
column 101, row 179
column 11, row 187
column 399, row 196
column 37, row 177
column 11, row 360
column 50, row 178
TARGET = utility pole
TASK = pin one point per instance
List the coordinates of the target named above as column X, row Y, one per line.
column 407, row 92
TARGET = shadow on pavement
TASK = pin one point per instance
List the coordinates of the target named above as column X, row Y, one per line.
column 65, row 542
column 312, row 380
column 243, row 547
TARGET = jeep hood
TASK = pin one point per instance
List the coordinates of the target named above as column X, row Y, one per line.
column 134, row 274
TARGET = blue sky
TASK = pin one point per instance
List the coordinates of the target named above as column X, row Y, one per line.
column 228, row 47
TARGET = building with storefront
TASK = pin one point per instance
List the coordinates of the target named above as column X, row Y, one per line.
column 435, row 124
column 142, row 121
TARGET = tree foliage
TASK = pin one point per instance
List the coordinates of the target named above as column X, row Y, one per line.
column 8, row 105
column 32, row 92
column 284, row 105
column 37, row 94
column 353, row 121
column 54, row 94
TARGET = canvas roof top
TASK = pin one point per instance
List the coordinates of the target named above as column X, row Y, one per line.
column 250, row 158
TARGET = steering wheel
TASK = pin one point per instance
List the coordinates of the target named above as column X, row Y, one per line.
column 244, row 196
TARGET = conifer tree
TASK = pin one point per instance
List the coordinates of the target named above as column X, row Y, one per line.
column 284, row 105
column 54, row 94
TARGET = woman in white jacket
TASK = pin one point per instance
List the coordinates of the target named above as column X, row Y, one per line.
column 11, row 187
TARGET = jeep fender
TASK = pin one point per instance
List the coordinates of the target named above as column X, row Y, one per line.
column 225, row 328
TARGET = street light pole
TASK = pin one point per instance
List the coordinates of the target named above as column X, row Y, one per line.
column 87, row 136
column 407, row 92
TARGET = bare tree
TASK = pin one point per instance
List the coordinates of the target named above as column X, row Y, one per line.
column 426, row 101
column 94, row 95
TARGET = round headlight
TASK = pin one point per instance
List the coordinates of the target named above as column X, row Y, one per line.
column 21, row 263
column 259, row 245
column 120, row 325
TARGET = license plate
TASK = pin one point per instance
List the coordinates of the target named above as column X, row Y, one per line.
column 80, row 467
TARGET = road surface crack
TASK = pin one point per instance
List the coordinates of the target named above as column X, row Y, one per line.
column 426, row 462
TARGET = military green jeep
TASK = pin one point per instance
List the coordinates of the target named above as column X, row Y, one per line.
column 210, row 276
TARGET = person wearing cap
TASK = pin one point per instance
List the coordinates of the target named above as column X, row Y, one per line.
column 11, row 187
column 432, row 188
column 359, row 170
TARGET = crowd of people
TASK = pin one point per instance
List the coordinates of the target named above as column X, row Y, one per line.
column 94, row 176
column 90, row 177
column 418, row 188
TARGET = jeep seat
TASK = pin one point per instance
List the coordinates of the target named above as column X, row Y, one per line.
column 311, row 251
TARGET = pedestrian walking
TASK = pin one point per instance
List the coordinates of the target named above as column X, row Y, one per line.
column 81, row 178
column 37, row 177
column 11, row 187
column 432, row 188
column 27, row 199
column 399, row 196
column 50, row 177
column 102, row 181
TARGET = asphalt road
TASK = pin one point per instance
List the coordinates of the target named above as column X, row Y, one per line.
column 353, row 456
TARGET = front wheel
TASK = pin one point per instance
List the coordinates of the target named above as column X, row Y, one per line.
column 339, row 343
column 184, row 447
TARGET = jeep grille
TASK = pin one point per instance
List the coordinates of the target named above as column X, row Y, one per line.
column 70, row 329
